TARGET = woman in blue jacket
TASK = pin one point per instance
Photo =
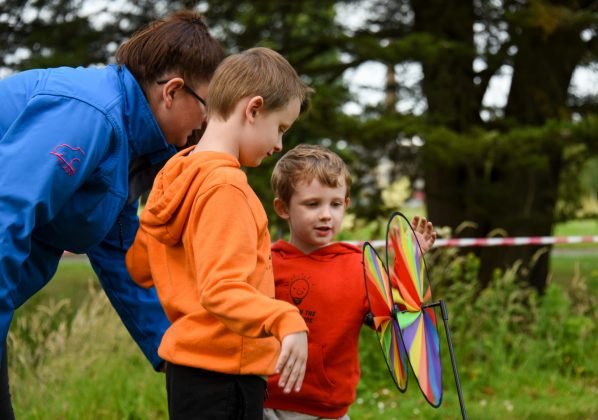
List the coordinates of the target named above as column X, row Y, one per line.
column 77, row 148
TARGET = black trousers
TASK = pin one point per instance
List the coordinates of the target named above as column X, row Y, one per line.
column 6, row 412
column 206, row 395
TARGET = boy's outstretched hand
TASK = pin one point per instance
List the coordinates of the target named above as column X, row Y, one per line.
column 291, row 362
column 424, row 231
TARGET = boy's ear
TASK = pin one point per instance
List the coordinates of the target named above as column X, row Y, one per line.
column 255, row 105
column 347, row 202
column 281, row 209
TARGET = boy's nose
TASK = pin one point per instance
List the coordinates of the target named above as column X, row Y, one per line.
column 325, row 214
column 278, row 146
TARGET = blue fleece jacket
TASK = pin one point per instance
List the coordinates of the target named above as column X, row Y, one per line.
column 67, row 139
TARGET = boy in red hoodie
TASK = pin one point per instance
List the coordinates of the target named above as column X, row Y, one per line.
column 204, row 244
column 323, row 279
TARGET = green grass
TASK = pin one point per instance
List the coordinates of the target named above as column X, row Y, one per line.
column 565, row 267
column 585, row 227
column 70, row 282
column 512, row 395
column 71, row 358
column 507, row 394
column 577, row 228
column 75, row 360
column 570, row 261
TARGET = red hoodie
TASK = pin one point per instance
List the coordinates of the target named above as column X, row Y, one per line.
column 328, row 288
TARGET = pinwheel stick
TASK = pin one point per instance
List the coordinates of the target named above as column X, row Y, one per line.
column 444, row 312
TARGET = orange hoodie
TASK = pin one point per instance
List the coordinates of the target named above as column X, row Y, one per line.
column 204, row 243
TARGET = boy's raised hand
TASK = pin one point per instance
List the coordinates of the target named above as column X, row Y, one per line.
column 292, row 361
column 424, row 231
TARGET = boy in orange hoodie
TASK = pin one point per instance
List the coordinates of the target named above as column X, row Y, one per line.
column 323, row 279
column 204, row 244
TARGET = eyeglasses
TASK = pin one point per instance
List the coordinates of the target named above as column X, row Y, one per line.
column 188, row 90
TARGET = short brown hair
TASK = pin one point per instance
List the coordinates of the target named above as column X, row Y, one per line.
column 255, row 72
column 179, row 44
column 307, row 162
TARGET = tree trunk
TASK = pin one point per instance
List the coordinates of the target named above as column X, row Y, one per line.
column 451, row 96
column 448, row 72
column 542, row 72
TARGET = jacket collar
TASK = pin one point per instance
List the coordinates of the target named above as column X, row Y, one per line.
column 144, row 134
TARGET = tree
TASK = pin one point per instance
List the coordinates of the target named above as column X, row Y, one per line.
column 503, row 173
column 49, row 34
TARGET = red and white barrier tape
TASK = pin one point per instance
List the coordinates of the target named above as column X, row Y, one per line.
column 475, row 242
column 512, row 241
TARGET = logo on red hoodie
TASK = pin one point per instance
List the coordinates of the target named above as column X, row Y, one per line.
column 69, row 158
column 299, row 289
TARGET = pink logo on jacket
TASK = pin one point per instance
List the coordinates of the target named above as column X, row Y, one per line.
column 68, row 157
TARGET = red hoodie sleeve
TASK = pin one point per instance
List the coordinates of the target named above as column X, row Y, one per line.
column 226, row 244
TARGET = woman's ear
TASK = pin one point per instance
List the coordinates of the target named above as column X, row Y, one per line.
column 253, row 107
column 281, row 209
column 170, row 89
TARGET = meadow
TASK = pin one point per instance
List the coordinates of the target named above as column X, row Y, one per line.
column 520, row 355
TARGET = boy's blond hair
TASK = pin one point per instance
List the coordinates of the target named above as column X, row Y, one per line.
column 305, row 163
column 255, row 72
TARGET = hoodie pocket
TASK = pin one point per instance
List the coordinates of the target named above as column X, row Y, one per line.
column 315, row 366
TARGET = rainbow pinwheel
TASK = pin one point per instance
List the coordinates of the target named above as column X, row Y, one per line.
column 383, row 310
column 406, row 321
column 412, row 292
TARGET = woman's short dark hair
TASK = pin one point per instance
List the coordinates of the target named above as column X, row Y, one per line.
column 179, row 45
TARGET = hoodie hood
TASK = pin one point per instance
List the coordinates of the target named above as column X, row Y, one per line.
column 175, row 189
column 287, row 251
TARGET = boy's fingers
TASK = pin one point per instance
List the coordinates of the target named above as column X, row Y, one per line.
column 296, row 377
column 431, row 231
column 292, row 366
column 286, row 372
column 422, row 225
column 282, row 361
column 299, row 380
column 415, row 223
column 290, row 383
